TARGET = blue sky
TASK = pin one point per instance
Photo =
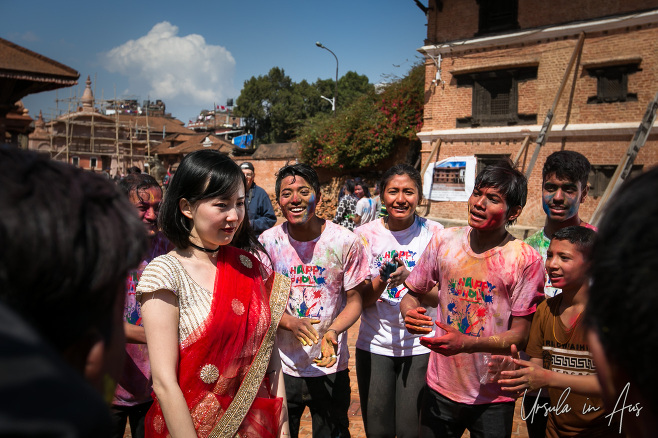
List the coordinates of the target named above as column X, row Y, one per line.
column 194, row 54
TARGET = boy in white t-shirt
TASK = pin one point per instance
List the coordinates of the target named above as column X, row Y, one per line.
column 328, row 268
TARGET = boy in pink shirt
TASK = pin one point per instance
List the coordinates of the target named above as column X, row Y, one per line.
column 489, row 286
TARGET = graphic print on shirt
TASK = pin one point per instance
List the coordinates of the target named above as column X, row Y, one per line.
column 470, row 304
column 394, row 295
column 306, row 290
column 131, row 311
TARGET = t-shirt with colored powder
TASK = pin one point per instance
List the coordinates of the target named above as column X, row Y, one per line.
column 478, row 293
column 566, row 351
column 321, row 271
column 367, row 209
column 540, row 242
column 135, row 385
column 382, row 328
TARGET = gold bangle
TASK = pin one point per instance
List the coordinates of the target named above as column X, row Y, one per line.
column 332, row 330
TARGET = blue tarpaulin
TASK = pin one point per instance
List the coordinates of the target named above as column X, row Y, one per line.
column 243, row 141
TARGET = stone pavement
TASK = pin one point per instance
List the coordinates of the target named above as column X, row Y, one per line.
column 356, row 423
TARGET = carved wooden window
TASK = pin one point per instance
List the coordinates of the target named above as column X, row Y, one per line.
column 601, row 175
column 495, row 97
column 497, row 16
column 485, row 160
column 612, row 83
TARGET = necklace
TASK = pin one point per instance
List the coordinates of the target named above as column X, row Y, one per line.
column 555, row 322
column 210, row 251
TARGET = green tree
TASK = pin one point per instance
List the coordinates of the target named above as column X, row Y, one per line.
column 367, row 131
column 275, row 108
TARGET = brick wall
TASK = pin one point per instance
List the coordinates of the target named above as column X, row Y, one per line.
column 446, row 101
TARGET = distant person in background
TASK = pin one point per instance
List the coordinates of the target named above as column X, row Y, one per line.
column 259, row 206
column 376, row 195
column 366, row 207
column 621, row 310
column 68, row 239
column 132, row 398
column 346, row 207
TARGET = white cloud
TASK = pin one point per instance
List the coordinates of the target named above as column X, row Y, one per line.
column 181, row 70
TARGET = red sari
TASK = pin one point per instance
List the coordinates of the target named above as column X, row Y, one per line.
column 215, row 358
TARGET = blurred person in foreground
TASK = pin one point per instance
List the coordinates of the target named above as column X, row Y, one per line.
column 68, row 239
column 621, row 313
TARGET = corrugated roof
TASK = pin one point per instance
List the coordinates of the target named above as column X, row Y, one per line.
column 185, row 143
column 278, row 151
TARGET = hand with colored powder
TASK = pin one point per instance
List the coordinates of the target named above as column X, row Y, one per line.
column 329, row 349
column 451, row 343
column 416, row 322
column 302, row 328
column 530, row 376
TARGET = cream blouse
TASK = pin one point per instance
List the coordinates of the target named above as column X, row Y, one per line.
column 166, row 273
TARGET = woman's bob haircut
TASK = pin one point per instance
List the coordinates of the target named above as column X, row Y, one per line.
column 201, row 175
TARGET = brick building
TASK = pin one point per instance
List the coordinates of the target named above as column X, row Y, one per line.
column 493, row 69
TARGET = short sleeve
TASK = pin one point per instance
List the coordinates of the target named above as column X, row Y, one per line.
column 356, row 265
column 426, row 272
column 536, row 339
column 162, row 273
column 529, row 289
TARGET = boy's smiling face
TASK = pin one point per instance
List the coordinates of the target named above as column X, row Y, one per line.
column 297, row 200
column 565, row 264
column 561, row 197
column 487, row 209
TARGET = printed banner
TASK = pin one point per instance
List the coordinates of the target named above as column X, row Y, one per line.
column 451, row 179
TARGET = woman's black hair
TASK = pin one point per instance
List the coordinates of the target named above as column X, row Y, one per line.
column 402, row 169
column 201, row 175
column 364, row 186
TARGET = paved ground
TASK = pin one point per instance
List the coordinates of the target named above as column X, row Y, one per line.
column 356, row 423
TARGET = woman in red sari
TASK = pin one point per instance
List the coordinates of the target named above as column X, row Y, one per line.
column 210, row 312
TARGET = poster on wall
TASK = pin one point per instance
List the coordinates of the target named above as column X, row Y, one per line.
column 451, row 179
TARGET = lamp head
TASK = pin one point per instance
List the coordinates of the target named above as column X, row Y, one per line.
column 319, row 44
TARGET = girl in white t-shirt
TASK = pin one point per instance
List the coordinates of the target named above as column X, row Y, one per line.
column 390, row 362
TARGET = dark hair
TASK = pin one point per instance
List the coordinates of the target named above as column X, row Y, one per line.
column 299, row 169
column 582, row 237
column 569, row 165
column 402, row 169
column 364, row 186
column 201, row 175
column 504, row 177
column 133, row 169
column 68, row 239
column 349, row 186
column 134, row 182
column 623, row 302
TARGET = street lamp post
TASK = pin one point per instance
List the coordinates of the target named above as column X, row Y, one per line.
column 333, row 101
